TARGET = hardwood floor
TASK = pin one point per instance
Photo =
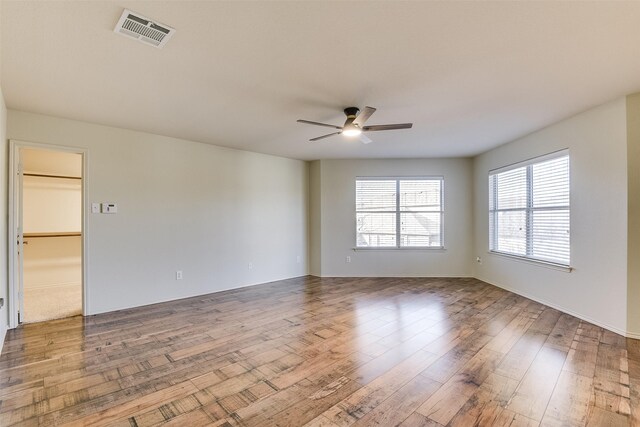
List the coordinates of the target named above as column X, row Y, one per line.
column 324, row 352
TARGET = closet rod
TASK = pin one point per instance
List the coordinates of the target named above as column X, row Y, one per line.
column 34, row 235
column 51, row 176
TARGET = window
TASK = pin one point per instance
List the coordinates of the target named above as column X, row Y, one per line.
column 529, row 213
column 399, row 212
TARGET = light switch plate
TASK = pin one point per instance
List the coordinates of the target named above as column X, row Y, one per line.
column 95, row 207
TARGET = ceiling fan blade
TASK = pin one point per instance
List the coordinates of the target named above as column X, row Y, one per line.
column 387, row 127
column 364, row 116
column 318, row 124
column 325, row 136
column 364, row 139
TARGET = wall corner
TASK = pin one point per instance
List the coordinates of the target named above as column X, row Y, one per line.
column 315, row 218
column 633, row 214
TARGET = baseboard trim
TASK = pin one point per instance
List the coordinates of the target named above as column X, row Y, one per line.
column 633, row 335
column 439, row 276
column 3, row 335
column 558, row 307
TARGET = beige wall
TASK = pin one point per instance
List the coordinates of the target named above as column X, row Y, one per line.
column 182, row 205
column 597, row 289
column 335, row 200
column 50, row 262
column 51, row 205
column 51, row 162
column 633, row 255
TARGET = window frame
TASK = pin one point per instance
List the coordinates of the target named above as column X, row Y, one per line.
column 528, row 209
column 397, row 212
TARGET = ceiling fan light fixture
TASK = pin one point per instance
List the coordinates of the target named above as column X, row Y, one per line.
column 351, row 130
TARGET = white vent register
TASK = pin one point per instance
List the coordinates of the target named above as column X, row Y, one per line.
column 143, row 29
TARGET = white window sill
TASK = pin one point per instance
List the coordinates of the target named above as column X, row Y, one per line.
column 539, row 263
column 416, row 248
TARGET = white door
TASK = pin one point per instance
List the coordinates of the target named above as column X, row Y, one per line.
column 19, row 248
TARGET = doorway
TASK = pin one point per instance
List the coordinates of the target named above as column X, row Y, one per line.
column 47, row 276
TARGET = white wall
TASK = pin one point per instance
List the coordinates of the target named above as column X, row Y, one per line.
column 338, row 225
column 596, row 289
column 4, row 286
column 182, row 205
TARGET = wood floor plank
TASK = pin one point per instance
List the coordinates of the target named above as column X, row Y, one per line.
column 486, row 405
column 315, row 384
column 517, row 361
column 611, row 380
column 418, row 420
column 395, row 409
column 581, row 358
column 306, row 410
column 197, row 418
column 534, row 391
column 633, row 355
column 374, row 392
column 324, row 352
column 107, row 416
column 570, row 402
column 445, row 403
column 600, row 417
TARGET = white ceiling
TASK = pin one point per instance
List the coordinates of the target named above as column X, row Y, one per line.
column 469, row 75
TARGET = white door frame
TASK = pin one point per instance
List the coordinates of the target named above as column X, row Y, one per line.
column 14, row 158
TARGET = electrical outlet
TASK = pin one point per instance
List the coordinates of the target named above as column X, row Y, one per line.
column 250, row 266
column 179, row 275
column 479, row 260
column 348, row 259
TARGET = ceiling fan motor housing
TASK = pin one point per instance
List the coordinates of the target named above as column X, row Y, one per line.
column 351, row 112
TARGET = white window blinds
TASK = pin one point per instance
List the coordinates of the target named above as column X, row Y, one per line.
column 529, row 210
column 399, row 212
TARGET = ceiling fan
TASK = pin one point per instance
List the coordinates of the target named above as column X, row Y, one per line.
column 354, row 125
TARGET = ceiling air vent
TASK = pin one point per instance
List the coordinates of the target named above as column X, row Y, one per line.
column 143, row 29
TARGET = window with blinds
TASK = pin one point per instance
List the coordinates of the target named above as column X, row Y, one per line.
column 399, row 212
column 529, row 209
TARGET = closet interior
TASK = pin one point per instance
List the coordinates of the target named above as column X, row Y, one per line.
column 52, row 234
